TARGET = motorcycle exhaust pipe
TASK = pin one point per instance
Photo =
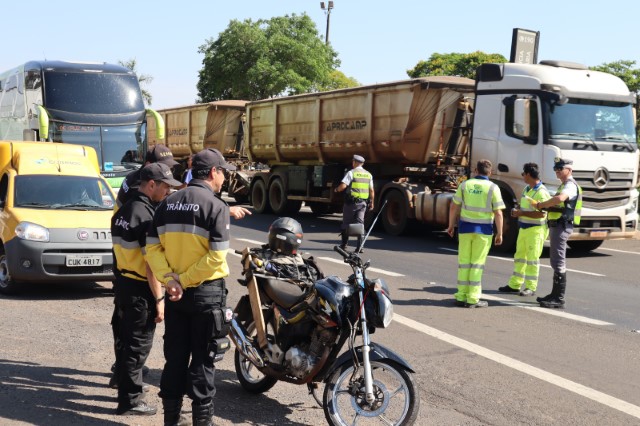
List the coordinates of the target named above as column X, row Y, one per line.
column 239, row 336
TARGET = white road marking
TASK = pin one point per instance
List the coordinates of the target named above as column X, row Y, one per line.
column 619, row 251
column 233, row 252
column 379, row 271
column 577, row 388
column 542, row 266
column 556, row 312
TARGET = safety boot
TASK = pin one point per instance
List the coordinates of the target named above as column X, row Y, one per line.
column 345, row 240
column 172, row 415
column 557, row 297
column 554, row 289
column 202, row 414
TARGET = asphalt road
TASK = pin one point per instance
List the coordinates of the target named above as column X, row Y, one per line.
column 511, row 363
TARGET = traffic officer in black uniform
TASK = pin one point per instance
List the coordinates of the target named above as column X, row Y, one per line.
column 187, row 248
column 138, row 294
column 157, row 154
column 359, row 183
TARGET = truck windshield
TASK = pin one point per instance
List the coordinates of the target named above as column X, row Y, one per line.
column 598, row 125
column 119, row 148
column 92, row 93
column 62, row 192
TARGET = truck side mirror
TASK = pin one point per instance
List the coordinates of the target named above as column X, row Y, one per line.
column 522, row 118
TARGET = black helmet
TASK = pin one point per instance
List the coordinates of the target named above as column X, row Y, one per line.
column 285, row 235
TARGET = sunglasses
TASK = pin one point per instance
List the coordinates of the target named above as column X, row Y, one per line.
column 558, row 169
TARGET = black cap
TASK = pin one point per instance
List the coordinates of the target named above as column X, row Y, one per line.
column 160, row 172
column 160, row 154
column 562, row 163
column 209, row 158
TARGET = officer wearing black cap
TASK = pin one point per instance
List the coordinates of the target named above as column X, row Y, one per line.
column 139, row 295
column 359, row 185
column 564, row 211
column 187, row 248
column 157, row 154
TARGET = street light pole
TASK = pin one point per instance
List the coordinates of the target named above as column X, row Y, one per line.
column 328, row 12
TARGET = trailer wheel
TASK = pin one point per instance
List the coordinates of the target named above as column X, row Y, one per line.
column 278, row 199
column 394, row 217
column 259, row 199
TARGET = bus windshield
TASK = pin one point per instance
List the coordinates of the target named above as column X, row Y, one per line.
column 92, row 92
column 119, row 148
column 599, row 124
column 62, row 192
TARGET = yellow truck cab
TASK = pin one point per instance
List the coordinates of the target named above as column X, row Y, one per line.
column 55, row 213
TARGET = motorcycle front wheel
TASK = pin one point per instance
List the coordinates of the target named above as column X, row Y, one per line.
column 251, row 379
column 396, row 398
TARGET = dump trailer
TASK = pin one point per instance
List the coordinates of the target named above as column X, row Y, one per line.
column 422, row 137
column 218, row 125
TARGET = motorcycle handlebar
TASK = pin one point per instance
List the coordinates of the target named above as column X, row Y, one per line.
column 343, row 253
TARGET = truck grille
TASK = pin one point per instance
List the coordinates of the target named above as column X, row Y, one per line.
column 616, row 193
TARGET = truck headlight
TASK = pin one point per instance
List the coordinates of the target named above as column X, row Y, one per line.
column 32, row 232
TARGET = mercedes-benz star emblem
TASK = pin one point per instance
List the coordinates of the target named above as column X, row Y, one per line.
column 83, row 235
column 601, row 177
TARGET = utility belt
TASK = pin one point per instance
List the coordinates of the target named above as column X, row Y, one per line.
column 553, row 223
column 350, row 199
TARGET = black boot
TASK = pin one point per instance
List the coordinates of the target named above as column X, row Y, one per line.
column 554, row 289
column 172, row 416
column 359, row 246
column 202, row 414
column 557, row 300
column 345, row 240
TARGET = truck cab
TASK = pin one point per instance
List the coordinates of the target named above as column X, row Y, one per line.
column 558, row 109
column 55, row 211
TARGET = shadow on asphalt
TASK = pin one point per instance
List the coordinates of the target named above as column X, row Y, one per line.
column 40, row 394
column 61, row 291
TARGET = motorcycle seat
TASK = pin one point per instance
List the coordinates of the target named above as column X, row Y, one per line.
column 282, row 292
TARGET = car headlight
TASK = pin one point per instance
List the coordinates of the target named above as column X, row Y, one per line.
column 32, row 232
column 633, row 207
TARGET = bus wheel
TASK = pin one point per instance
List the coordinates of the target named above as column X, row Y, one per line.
column 7, row 284
column 259, row 199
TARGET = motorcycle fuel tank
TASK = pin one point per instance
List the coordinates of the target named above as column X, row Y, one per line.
column 334, row 298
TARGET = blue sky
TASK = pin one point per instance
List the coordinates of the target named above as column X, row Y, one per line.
column 377, row 41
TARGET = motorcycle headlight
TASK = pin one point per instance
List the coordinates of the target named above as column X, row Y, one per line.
column 32, row 232
column 379, row 308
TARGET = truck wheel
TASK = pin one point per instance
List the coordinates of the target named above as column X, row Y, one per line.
column 7, row 284
column 278, row 201
column 584, row 246
column 259, row 199
column 394, row 216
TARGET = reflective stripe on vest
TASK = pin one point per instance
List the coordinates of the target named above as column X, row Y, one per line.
column 538, row 195
column 572, row 212
column 477, row 195
column 360, row 184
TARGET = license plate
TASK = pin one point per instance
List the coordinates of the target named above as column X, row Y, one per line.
column 76, row 260
column 598, row 233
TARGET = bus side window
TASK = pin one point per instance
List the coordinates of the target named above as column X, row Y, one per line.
column 4, row 186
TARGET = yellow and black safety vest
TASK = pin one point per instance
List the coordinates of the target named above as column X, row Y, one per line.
column 567, row 210
column 359, row 186
column 190, row 236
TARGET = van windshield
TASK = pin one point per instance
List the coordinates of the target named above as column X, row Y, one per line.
column 62, row 192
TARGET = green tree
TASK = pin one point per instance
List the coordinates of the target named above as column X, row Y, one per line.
column 266, row 58
column 631, row 77
column 143, row 79
column 336, row 80
column 456, row 64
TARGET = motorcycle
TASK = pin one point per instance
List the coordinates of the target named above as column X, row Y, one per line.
column 292, row 331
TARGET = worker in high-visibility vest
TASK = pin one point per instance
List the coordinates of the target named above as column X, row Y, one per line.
column 359, row 194
column 532, row 233
column 564, row 210
column 476, row 203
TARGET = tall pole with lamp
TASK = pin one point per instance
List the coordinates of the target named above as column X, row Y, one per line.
column 327, row 10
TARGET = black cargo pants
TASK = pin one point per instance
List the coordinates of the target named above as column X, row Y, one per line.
column 136, row 312
column 190, row 325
